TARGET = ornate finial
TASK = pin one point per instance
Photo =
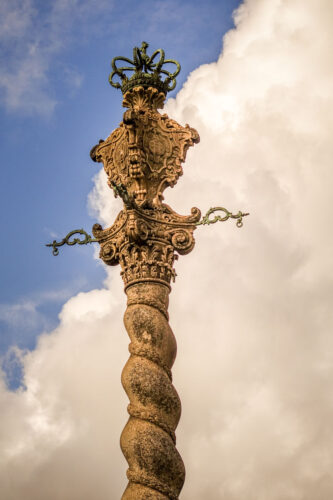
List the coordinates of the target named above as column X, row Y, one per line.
column 147, row 73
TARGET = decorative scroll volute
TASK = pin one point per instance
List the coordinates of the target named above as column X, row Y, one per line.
column 144, row 242
column 144, row 154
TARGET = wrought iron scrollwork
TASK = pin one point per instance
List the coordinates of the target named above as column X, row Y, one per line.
column 66, row 240
column 206, row 220
column 180, row 238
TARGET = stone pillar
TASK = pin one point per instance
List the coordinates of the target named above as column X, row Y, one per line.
column 156, row 470
column 142, row 157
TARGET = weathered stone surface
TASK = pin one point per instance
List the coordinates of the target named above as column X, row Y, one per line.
column 140, row 492
column 141, row 158
column 148, row 440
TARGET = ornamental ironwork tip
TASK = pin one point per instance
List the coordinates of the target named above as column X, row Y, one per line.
column 67, row 241
column 206, row 220
column 148, row 71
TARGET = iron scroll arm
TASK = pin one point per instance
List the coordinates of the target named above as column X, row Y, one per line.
column 206, row 220
column 66, row 240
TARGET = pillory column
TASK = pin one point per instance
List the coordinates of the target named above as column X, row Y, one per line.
column 142, row 157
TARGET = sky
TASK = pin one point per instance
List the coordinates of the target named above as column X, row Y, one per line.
column 251, row 308
column 56, row 103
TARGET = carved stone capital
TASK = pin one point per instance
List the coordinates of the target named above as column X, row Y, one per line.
column 144, row 242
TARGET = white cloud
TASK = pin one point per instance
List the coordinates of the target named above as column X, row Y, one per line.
column 15, row 18
column 254, row 367
column 101, row 201
column 47, row 425
column 26, row 314
column 17, row 314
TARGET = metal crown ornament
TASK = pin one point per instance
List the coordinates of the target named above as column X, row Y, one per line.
column 147, row 71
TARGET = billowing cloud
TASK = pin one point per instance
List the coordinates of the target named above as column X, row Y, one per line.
column 251, row 309
column 53, row 433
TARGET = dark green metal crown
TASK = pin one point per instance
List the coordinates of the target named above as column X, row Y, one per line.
column 147, row 73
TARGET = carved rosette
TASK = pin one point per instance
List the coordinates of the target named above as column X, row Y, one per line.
column 141, row 158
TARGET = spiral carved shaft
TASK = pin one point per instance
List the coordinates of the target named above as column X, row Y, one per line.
column 141, row 158
column 156, row 470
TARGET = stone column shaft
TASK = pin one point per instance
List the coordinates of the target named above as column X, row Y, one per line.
column 141, row 158
column 156, row 470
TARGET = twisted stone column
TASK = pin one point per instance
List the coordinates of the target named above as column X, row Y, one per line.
column 156, row 470
column 142, row 157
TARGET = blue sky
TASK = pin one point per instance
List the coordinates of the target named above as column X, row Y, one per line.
column 251, row 308
column 56, row 103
